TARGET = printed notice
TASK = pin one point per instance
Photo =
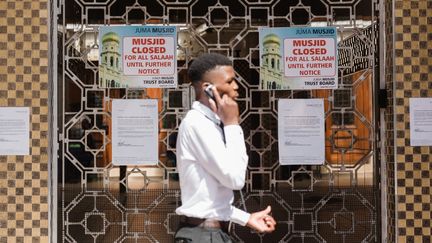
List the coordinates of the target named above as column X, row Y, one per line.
column 298, row 58
column 135, row 132
column 420, row 121
column 14, row 130
column 301, row 131
column 137, row 56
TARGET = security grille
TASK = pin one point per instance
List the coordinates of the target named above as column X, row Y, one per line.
column 100, row 202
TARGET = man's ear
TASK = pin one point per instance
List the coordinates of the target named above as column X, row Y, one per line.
column 205, row 84
column 198, row 87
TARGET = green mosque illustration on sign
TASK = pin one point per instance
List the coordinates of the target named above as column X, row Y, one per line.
column 271, row 72
column 110, row 67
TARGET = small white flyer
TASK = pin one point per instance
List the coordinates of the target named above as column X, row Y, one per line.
column 14, row 130
column 420, row 121
column 301, row 131
column 135, row 132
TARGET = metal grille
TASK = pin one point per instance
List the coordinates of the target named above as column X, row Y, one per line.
column 99, row 202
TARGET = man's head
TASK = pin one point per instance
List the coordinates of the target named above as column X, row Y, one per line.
column 213, row 69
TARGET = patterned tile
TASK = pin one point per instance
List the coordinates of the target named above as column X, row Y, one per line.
column 413, row 65
column 24, row 82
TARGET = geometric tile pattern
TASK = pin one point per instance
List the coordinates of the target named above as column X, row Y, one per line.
column 24, row 83
column 413, row 78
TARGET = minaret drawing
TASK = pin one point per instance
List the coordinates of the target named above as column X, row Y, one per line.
column 271, row 64
column 109, row 66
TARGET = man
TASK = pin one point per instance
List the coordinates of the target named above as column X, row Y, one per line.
column 212, row 159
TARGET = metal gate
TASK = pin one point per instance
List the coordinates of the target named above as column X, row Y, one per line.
column 100, row 202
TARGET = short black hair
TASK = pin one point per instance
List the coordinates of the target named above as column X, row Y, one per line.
column 204, row 63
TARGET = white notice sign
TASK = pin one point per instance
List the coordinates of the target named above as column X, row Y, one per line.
column 135, row 132
column 301, row 131
column 420, row 121
column 14, row 130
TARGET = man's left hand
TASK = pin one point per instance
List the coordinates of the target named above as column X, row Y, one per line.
column 261, row 221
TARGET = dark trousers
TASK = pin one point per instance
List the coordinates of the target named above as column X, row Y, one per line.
column 196, row 234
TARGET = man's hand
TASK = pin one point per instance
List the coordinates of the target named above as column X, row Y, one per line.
column 261, row 221
column 226, row 108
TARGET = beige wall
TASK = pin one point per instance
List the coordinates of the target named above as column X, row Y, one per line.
column 24, row 82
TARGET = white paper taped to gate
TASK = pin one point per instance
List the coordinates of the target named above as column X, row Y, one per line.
column 135, row 132
column 301, row 131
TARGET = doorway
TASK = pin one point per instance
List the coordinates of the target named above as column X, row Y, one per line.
column 100, row 202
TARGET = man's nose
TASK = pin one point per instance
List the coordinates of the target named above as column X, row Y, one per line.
column 235, row 85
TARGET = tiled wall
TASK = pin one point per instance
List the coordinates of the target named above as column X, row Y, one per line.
column 412, row 78
column 24, row 82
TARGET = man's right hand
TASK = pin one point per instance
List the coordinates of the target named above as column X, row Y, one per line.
column 261, row 221
column 226, row 108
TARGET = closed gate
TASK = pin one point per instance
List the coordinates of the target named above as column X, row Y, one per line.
column 100, row 202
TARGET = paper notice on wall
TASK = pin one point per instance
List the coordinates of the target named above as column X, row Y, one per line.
column 301, row 131
column 135, row 132
column 14, row 130
column 420, row 121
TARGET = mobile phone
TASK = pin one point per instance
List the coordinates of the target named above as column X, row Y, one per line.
column 209, row 92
